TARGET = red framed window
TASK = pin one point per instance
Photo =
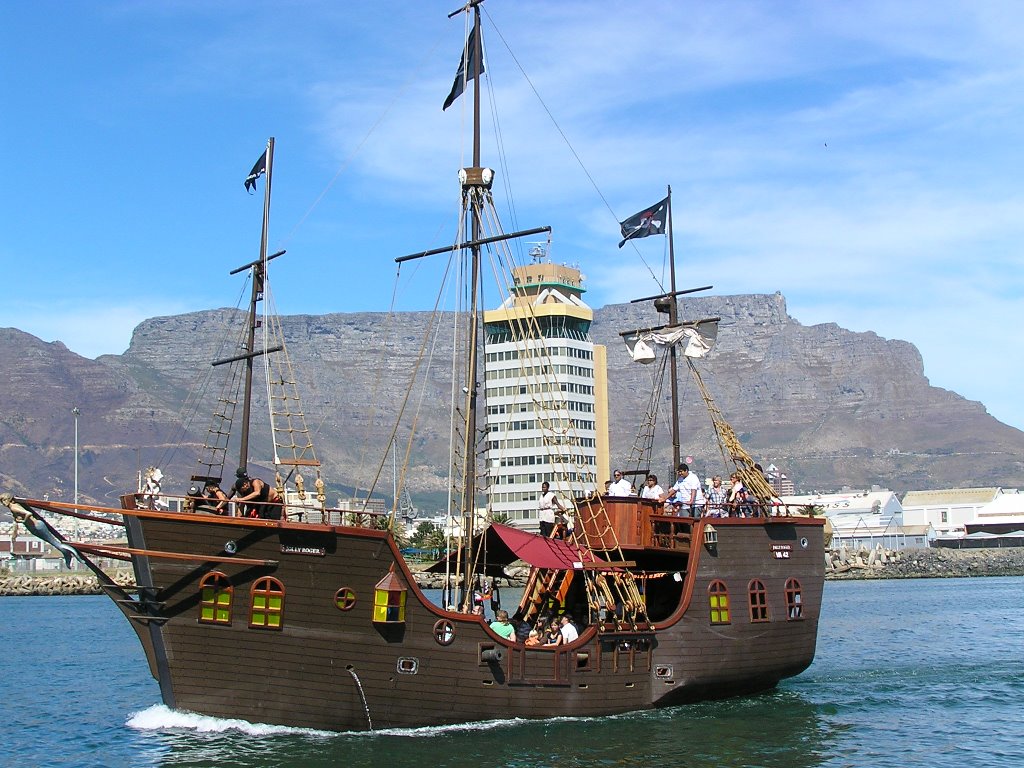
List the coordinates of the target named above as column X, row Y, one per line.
column 718, row 599
column 266, row 608
column 758, row 596
column 794, row 600
column 215, row 595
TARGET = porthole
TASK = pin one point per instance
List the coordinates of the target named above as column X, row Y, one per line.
column 345, row 599
column 444, row 632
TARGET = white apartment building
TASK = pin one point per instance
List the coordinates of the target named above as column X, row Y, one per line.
column 546, row 392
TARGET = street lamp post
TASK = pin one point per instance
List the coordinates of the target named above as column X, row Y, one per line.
column 75, row 411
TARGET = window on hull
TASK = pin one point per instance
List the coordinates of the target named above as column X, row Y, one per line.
column 758, row 601
column 267, row 604
column 215, row 594
column 718, row 598
column 794, row 600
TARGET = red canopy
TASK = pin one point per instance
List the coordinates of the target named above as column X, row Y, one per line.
column 542, row 552
column 505, row 544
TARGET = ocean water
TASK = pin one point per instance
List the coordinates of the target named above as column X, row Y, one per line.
column 908, row 673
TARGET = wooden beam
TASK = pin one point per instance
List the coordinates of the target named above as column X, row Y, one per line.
column 100, row 549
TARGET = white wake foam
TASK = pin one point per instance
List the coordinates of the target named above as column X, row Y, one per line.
column 161, row 717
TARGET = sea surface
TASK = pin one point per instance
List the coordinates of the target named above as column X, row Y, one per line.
column 908, row 673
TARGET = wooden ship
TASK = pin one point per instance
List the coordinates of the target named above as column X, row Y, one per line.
column 310, row 616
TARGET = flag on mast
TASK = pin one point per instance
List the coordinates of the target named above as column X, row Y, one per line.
column 650, row 221
column 257, row 170
column 466, row 64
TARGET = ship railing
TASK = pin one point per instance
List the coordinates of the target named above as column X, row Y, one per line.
column 291, row 511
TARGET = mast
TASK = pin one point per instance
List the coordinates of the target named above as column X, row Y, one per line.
column 259, row 273
column 473, row 195
column 673, row 319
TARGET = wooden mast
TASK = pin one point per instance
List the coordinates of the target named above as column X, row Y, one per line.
column 673, row 319
column 474, row 196
column 259, row 272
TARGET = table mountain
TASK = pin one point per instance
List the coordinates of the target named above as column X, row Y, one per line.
column 829, row 406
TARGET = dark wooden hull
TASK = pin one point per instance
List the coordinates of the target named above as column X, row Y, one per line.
column 336, row 669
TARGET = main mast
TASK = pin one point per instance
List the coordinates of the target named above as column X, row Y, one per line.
column 473, row 191
column 673, row 319
column 259, row 273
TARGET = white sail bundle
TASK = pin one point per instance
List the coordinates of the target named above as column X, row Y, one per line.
column 695, row 339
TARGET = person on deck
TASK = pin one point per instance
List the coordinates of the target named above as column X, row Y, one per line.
column 502, row 626
column 651, row 489
column 568, row 630
column 717, row 497
column 547, row 503
column 212, row 500
column 736, row 503
column 258, row 499
column 621, row 486
column 553, row 635
column 688, row 490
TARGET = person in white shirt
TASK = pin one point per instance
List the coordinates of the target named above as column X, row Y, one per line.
column 621, row 486
column 651, row 489
column 568, row 630
column 546, row 506
column 688, row 490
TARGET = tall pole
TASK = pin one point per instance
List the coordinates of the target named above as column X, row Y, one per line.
column 76, row 412
column 259, row 273
column 673, row 319
column 475, row 202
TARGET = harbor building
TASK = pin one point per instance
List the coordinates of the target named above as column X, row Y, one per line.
column 546, row 392
column 860, row 518
column 947, row 510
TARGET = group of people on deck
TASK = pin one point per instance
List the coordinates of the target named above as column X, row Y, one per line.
column 252, row 497
column 547, row 631
column 689, row 497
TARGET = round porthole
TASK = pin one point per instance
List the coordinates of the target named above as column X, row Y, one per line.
column 444, row 632
column 345, row 599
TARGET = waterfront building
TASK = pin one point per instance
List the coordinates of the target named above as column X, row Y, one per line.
column 1003, row 515
column 860, row 518
column 947, row 510
column 546, row 392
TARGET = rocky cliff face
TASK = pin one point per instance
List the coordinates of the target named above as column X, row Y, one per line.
column 828, row 406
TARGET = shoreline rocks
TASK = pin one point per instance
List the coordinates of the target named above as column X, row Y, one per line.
column 939, row 563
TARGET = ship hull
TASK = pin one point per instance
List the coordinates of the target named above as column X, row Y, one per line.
column 331, row 668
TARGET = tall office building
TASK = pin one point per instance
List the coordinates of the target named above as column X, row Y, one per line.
column 546, row 392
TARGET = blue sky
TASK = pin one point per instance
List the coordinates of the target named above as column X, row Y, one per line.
column 863, row 158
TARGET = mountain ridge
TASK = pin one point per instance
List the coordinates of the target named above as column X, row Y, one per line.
column 829, row 406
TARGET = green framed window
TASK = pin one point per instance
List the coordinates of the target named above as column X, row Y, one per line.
column 215, row 595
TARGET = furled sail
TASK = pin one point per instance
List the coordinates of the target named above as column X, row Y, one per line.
column 695, row 339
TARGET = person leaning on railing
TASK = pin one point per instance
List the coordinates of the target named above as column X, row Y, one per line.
column 717, row 498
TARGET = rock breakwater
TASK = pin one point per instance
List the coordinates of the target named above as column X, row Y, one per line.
column 12, row 585
column 881, row 563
